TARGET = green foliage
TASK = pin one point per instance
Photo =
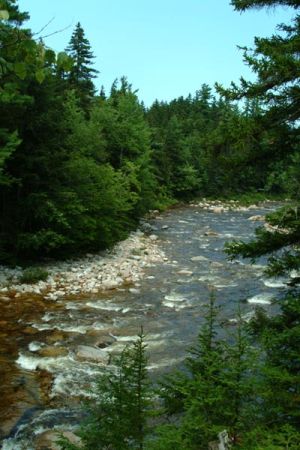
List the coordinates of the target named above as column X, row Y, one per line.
column 118, row 417
column 32, row 275
column 216, row 391
column 279, row 241
column 286, row 437
column 81, row 73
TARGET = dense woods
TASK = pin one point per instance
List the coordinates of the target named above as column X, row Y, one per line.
column 79, row 168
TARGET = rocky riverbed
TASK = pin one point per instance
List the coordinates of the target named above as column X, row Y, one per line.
column 124, row 264
column 58, row 335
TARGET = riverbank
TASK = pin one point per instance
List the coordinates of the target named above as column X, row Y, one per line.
column 122, row 266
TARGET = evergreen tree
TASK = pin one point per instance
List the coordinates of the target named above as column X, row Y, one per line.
column 118, row 418
column 276, row 63
column 82, row 73
column 216, row 391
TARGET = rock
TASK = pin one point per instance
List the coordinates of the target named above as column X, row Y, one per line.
column 109, row 285
column 136, row 257
column 134, row 291
column 185, row 272
column 153, row 237
column 199, row 258
column 211, row 233
column 257, row 218
column 146, row 227
column 47, row 440
column 92, row 353
column 30, row 330
column 216, row 264
column 165, row 227
column 218, row 210
column 56, row 336
column 53, row 352
column 105, row 341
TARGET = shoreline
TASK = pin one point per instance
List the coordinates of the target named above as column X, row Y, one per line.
column 95, row 273
column 120, row 267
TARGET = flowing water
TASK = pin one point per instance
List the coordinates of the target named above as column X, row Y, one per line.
column 45, row 360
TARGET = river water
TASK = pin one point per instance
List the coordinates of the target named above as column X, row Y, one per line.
column 47, row 369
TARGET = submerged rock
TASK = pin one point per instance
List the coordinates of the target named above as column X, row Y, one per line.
column 185, row 272
column 211, row 233
column 199, row 258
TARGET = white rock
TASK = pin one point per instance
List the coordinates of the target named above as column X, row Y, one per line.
column 134, row 291
column 257, row 218
column 185, row 272
column 199, row 258
column 92, row 353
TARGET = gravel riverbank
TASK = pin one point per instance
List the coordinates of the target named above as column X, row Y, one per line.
column 123, row 265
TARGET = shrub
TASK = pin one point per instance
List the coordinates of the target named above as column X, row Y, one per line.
column 33, row 275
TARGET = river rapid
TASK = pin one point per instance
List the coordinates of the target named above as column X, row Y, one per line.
column 52, row 351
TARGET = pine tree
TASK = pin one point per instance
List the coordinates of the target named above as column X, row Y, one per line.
column 216, row 390
column 118, row 418
column 82, row 72
column 275, row 61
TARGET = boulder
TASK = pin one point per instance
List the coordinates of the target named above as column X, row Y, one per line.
column 92, row 353
column 218, row 209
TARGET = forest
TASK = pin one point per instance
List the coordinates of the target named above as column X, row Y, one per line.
column 84, row 166
column 79, row 168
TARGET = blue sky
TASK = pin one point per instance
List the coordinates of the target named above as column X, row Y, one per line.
column 166, row 48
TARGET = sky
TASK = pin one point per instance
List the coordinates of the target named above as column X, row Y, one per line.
column 166, row 48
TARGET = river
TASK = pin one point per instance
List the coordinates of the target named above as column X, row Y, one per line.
column 46, row 367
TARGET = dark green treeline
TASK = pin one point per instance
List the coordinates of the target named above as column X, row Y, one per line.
column 78, row 168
